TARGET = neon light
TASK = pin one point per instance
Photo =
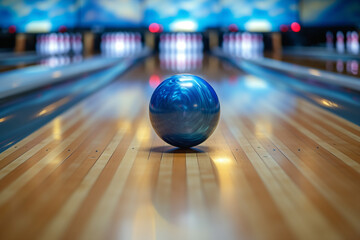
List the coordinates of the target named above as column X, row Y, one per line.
column 295, row 27
column 154, row 28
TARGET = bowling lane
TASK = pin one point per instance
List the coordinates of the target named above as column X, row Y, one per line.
column 347, row 67
column 17, row 66
column 49, row 61
column 277, row 167
column 12, row 60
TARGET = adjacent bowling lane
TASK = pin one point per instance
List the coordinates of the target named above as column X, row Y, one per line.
column 11, row 61
column 348, row 67
column 49, row 61
column 277, row 166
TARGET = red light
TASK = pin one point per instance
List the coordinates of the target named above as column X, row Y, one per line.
column 232, row 79
column 295, row 27
column 12, row 29
column 154, row 28
column 62, row 28
column 233, row 28
column 154, row 81
column 284, row 28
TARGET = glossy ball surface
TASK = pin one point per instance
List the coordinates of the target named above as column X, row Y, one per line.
column 184, row 110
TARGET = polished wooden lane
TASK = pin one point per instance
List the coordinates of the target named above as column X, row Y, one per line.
column 277, row 167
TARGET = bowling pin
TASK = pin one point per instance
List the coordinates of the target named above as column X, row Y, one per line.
column 348, row 41
column 167, row 42
column 231, row 43
column 201, row 44
column 102, row 43
column 237, row 44
column 340, row 47
column 246, row 45
column 173, row 42
column 67, row 44
column 354, row 45
column 77, row 45
column 126, row 44
column 189, row 44
column 180, row 42
column 46, row 44
column 108, row 43
column 61, row 44
column 329, row 41
column 132, row 43
column 162, row 43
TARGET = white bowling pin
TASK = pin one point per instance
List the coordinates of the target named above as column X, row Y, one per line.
column 348, row 41
column 329, row 41
column 354, row 45
column 340, row 46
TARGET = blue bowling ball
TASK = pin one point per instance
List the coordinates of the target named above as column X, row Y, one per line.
column 184, row 110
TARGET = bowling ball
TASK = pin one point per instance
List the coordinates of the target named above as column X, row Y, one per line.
column 184, row 110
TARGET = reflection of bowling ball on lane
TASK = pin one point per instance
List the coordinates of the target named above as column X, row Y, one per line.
column 184, row 110
column 184, row 210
